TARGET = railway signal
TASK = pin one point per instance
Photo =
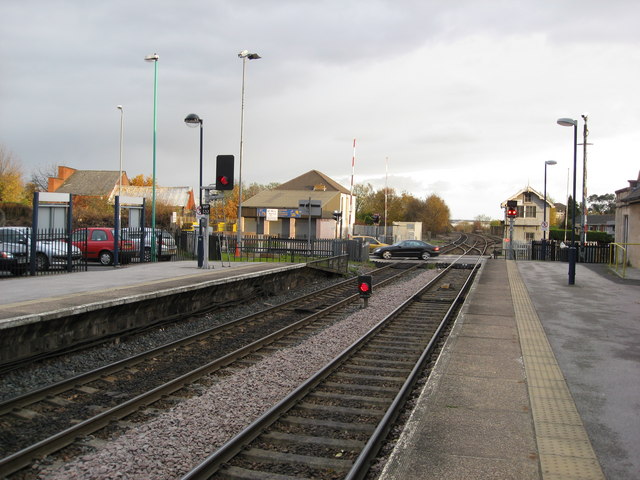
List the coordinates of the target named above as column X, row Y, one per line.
column 365, row 288
column 224, row 172
column 512, row 208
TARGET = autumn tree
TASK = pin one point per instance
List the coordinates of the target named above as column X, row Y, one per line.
column 436, row 216
column 11, row 183
column 142, row 181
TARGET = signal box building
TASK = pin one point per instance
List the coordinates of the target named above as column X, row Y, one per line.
column 628, row 220
column 277, row 212
column 528, row 223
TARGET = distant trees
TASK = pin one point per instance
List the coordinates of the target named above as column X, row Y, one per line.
column 433, row 212
column 601, row 204
column 11, row 183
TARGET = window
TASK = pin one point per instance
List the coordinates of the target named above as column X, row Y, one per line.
column 530, row 211
column 529, row 236
column 98, row 235
column 527, row 197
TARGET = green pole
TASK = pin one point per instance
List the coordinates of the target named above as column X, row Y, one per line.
column 154, row 58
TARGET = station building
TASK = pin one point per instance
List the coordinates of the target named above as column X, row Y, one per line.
column 528, row 224
column 277, row 211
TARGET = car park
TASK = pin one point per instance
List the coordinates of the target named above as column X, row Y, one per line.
column 50, row 252
column 97, row 243
column 407, row 248
column 372, row 241
column 166, row 244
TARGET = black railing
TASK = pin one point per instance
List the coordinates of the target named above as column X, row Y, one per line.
column 559, row 251
column 47, row 252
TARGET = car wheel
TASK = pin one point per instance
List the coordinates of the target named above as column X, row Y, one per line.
column 147, row 254
column 42, row 262
column 425, row 255
column 386, row 255
column 106, row 257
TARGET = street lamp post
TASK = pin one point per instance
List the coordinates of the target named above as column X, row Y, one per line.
column 119, row 107
column 544, row 211
column 570, row 122
column 244, row 55
column 154, row 58
column 193, row 120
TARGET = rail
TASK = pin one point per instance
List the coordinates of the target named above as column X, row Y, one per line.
column 619, row 258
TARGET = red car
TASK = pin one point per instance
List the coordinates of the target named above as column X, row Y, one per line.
column 97, row 243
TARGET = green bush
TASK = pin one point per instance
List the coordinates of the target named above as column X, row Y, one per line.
column 600, row 237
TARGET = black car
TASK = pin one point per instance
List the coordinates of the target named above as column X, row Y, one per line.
column 408, row 248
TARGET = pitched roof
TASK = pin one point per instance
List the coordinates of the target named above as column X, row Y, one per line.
column 287, row 199
column 174, row 196
column 92, row 183
column 312, row 180
column 527, row 189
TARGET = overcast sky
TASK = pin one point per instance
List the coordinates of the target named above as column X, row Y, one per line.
column 461, row 96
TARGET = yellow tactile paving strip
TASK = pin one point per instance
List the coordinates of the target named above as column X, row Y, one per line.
column 563, row 445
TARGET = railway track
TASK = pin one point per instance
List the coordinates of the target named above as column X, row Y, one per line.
column 44, row 421
column 333, row 425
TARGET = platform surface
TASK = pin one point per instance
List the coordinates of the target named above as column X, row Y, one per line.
column 539, row 380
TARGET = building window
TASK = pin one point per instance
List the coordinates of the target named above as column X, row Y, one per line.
column 527, row 197
column 529, row 236
column 530, row 211
column 520, row 211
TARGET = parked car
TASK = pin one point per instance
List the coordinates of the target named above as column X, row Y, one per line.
column 49, row 252
column 13, row 258
column 408, row 248
column 372, row 241
column 166, row 244
column 97, row 243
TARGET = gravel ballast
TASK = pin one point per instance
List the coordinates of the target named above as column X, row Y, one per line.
column 177, row 440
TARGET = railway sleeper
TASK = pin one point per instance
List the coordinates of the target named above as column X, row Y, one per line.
column 239, row 473
column 270, row 457
column 365, row 399
column 339, row 427
column 378, row 390
column 339, row 410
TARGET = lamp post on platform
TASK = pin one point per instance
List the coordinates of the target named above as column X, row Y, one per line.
column 545, row 225
column 154, row 58
column 570, row 122
column 193, row 120
column 244, row 55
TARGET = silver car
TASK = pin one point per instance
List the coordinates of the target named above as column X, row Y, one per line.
column 49, row 252
column 165, row 243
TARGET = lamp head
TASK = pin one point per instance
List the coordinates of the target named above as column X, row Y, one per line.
column 550, row 162
column 119, row 107
column 152, row 58
column 192, row 120
column 250, row 56
column 567, row 122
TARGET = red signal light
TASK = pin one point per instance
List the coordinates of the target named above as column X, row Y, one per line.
column 222, row 180
column 365, row 286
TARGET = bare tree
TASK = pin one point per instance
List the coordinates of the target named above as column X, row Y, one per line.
column 40, row 177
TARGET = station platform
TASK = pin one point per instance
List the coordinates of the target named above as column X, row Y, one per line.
column 31, row 297
column 538, row 380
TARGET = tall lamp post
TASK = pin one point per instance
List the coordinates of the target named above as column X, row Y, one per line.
column 544, row 210
column 154, row 58
column 244, row 55
column 193, row 120
column 119, row 107
column 570, row 122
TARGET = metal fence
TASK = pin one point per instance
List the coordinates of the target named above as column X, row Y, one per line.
column 556, row 251
column 43, row 252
